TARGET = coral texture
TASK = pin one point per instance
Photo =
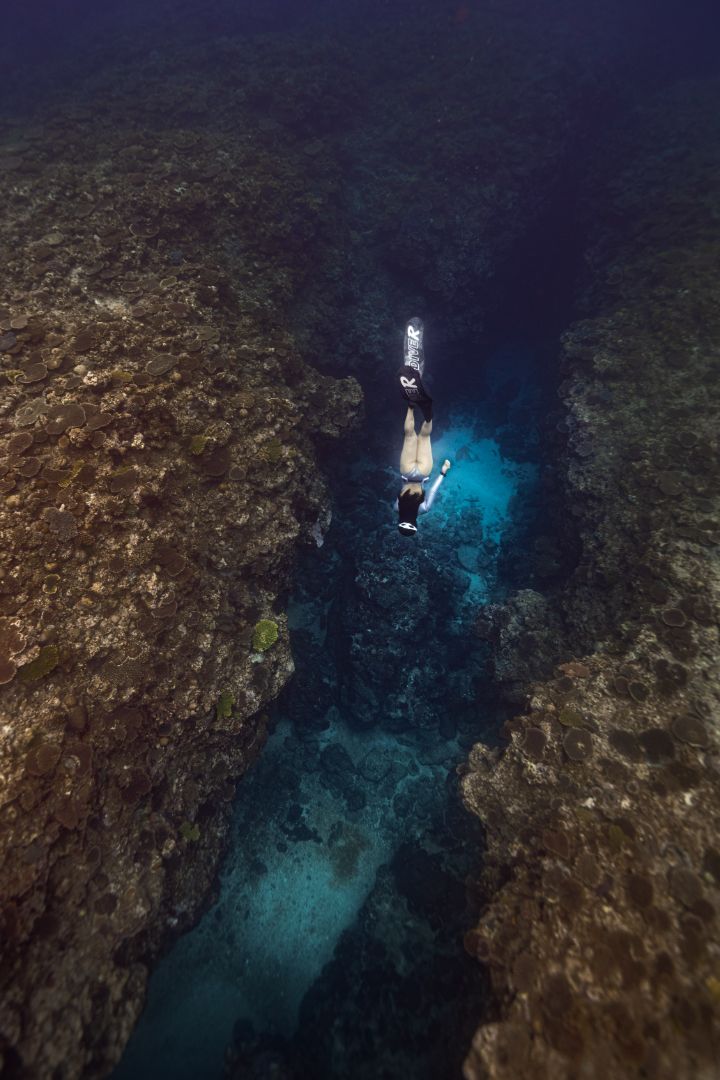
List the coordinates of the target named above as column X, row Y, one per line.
column 162, row 225
column 601, row 935
column 156, row 471
column 265, row 635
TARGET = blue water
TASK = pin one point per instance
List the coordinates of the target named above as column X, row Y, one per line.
column 284, row 902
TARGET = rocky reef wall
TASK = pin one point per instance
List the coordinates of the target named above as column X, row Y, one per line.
column 167, row 212
column 157, row 470
column 166, row 220
column 601, row 812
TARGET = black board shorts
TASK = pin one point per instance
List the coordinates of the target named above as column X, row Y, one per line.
column 412, row 389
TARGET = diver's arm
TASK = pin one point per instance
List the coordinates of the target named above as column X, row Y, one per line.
column 433, row 490
column 431, row 493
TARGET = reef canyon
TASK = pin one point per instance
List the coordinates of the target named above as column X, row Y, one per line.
column 211, row 237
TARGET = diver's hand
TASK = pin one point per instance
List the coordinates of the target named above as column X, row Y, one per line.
column 446, row 466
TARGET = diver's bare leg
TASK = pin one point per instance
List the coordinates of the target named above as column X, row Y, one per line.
column 409, row 452
column 424, row 449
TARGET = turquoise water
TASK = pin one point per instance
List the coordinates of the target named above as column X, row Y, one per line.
column 278, row 917
column 288, row 890
column 480, row 480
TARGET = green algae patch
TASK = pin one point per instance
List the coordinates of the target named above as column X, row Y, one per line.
column 41, row 666
column 189, row 832
column 265, row 634
column 224, row 707
column 73, row 472
column 121, row 377
column 198, row 444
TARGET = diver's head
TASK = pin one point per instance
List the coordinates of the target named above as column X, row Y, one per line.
column 408, row 503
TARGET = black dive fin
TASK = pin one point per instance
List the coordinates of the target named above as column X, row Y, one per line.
column 413, row 351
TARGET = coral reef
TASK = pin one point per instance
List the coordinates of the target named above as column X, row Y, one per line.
column 156, row 470
column 265, row 635
column 166, row 219
column 601, row 812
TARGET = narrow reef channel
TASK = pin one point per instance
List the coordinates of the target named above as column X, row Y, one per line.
column 283, row 793
column 351, row 861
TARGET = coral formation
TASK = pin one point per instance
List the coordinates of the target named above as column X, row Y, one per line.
column 601, row 933
column 144, row 364
column 165, row 218
column 265, row 635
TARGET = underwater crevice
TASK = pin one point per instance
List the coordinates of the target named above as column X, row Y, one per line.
column 405, row 656
column 204, row 226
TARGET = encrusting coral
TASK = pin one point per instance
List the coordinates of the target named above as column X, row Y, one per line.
column 143, row 369
column 603, row 880
column 265, row 635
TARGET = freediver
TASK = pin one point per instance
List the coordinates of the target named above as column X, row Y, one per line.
column 416, row 461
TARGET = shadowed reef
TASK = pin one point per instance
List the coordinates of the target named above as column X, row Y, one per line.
column 602, row 810
column 209, row 244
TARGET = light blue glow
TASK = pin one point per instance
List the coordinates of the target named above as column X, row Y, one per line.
column 479, row 478
column 260, row 947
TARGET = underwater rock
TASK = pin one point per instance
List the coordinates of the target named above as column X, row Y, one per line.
column 144, row 541
column 149, row 274
column 617, row 758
